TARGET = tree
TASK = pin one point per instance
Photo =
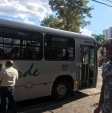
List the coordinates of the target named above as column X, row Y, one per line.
column 72, row 12
column 51, row 21
column 100, row 40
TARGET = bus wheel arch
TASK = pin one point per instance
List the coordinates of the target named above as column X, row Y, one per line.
column 62, row 87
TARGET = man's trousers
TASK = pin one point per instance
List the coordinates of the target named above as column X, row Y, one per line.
column 7, row 95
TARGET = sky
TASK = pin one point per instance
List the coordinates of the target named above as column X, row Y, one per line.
column 101, row 16
column 33, row 11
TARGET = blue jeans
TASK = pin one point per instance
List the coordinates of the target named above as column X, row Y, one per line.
column 7, row 95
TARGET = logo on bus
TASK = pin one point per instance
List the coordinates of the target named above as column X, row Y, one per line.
column 27, row 72
column 65, row 67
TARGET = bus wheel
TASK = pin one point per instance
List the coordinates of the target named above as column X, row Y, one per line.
column 60, row 89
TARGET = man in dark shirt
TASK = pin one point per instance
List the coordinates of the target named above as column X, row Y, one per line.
column 105, row 101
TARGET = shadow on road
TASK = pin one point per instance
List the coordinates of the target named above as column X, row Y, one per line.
column 46, row 103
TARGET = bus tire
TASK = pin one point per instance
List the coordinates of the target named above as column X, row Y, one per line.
column 60, row 89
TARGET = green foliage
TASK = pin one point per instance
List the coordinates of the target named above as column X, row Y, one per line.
column 100, row 40
column 72, row 14
column 50, row 21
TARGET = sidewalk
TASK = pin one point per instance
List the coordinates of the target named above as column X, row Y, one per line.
column 99, row 68
column 91, row 91
column 97, row 90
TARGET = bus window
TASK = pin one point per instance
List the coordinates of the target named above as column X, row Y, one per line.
column 58, row 48
column 32, row 49
column 11, row 48
column 20, row 44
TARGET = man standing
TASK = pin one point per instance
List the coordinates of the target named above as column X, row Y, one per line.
column 105, row 101
column 8, row 77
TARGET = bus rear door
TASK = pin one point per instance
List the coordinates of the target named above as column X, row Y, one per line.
column 88, row 67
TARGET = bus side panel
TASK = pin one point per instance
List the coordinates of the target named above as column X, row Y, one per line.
column 38, row 77
column 34, row 92
column 33, row 81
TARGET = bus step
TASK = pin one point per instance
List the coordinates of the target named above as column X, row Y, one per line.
column 90, row 78
column 85, row 81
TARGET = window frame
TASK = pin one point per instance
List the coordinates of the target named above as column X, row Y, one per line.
column 57, row 36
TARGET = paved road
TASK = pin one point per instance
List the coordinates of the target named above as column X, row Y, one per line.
column 84, row 104
column 85, row 101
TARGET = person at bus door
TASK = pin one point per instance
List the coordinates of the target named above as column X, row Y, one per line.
column 105, row 101
column 8, row 77
column 104, row 64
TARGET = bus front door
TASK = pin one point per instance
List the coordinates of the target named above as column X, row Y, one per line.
column 87, row 67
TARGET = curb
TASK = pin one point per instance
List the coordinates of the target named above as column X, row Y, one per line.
column 92, row 91
column 99, row 69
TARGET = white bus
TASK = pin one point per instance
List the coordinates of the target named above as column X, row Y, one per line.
column 49, row 61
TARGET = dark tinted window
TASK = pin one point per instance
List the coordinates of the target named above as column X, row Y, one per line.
column 20, row 44
column 59, row 48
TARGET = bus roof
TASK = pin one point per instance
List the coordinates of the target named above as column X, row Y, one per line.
column 27, row 26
